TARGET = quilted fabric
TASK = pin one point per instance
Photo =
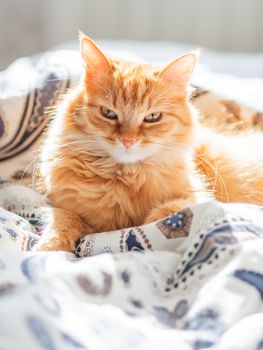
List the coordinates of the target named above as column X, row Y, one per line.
column 191, row 281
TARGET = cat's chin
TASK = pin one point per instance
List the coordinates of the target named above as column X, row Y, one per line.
column 122, row 155
column 127, row 158
column 133, row 155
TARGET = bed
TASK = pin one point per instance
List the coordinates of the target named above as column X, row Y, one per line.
column 199, row 286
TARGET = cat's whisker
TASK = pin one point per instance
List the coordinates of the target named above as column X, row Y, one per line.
column 217, row 176
column 28, row 167
column 206, row 167
column 36, row 168
column 57, row 79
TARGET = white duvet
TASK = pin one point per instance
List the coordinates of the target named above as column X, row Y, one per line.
column 196, row 286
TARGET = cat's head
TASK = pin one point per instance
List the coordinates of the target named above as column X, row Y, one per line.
column 135, row 112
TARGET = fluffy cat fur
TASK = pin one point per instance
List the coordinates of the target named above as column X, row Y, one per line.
column 103, row 174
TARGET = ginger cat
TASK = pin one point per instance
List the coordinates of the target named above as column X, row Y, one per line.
column 126, row 148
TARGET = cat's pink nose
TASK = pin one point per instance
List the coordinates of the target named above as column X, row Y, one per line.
column 127, row 142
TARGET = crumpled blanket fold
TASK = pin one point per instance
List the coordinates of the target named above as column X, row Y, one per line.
column 191, row 281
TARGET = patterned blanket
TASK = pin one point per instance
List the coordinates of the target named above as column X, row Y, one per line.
column 190, row 281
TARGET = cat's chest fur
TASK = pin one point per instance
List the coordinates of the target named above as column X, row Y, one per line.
column 115, row 197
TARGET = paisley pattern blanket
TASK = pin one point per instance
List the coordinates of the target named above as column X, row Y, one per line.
column 191, row 281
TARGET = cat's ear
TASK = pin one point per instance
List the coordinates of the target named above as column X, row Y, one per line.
column 179, row 71
column 95, row 62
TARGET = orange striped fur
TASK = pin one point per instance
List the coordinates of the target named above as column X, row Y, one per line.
column 95, row 183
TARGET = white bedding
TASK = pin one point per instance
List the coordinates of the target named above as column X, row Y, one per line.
column 199, row 286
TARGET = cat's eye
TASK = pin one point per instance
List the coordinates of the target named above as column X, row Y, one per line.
column 152, row 117
column 107, row 113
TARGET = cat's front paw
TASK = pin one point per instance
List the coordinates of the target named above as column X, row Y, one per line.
column 157, row 214
column 53, row 243
column 166, row 209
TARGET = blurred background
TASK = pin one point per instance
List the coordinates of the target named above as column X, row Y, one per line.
column 30, row 26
